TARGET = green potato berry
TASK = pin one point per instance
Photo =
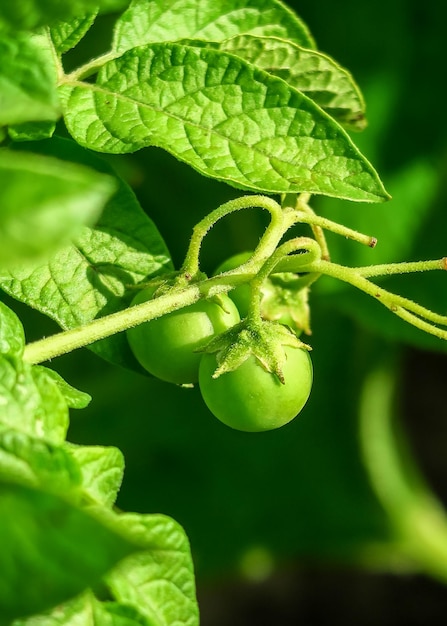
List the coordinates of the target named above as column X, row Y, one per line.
column 168, row 347
column 252, row 399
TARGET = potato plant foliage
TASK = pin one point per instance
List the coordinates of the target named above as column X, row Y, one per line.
column 239, row 93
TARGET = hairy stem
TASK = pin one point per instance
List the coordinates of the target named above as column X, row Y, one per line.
column 277, row 227
column 311, row 254
column 309, row 217
column 89, row 68
column 387, row 269
column 300, row 203
column 417, row 315
column 69, row 340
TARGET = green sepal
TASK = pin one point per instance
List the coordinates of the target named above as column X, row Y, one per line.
column 264, row 340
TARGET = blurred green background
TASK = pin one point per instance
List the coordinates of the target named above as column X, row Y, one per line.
column 286, row 527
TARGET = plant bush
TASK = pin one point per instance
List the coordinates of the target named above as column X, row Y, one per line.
column 245, row 109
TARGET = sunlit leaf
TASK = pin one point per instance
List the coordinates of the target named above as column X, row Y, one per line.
column 50, row 552
column 222, row 116
column 148, row 21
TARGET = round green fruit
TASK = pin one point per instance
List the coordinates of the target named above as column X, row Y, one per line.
column 167, row 347
column 252, row 399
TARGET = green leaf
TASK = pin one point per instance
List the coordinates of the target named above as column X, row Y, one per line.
column 155, row 588
column 65, row 35
column 93, row 276
column 74, row 398
column 223, row 117
column 45, row 202
column 12, row 337
column 102, row 471
column 311, row 72
column 31, row 131
column 149, row 21
column 160, row 580
column 30, row 14
column 28, row 79
column 31, row 401
column 50, row 552
column 36, row 463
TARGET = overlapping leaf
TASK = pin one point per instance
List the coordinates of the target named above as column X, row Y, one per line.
column 148, row 21
column 155, row 587
column 311, row 72
column 223, row 117
column 51, row 551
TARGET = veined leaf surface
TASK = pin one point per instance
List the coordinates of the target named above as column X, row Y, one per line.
column 149, row 21
column 222, row 116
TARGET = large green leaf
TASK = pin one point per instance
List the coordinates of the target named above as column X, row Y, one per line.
column 27, row 78
column 50, row 552
column 221, row 115
column 148, row 21
column 45, row 202
column 154, row 587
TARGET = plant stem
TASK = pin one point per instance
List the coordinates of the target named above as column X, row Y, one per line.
column 272, row 235
column 68, row 340
column 302, row 204
column 316, row 220
column 388, row 269
column 89, row 68
column 311, row 248
column 408, row 310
